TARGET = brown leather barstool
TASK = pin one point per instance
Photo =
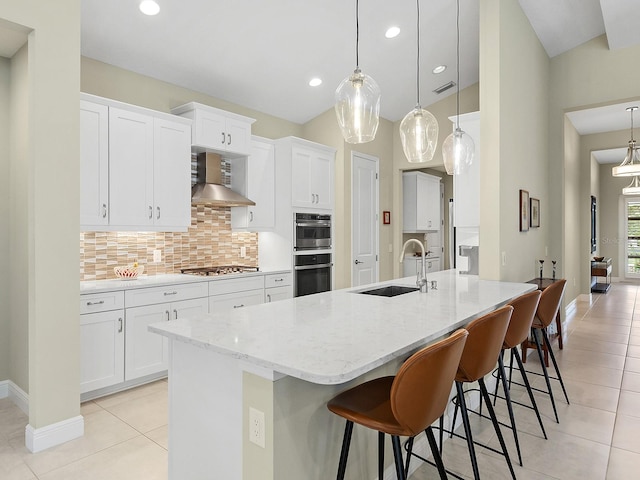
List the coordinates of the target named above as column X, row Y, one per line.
column 545, row 314
column 404, row 405
column 481, row 352
column 524, row 309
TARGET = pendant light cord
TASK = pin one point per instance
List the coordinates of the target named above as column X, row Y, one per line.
column 458, row 64
column 357, row 34
column 632, row 109
column 418, row 56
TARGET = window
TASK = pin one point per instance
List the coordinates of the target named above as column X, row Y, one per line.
column 633, row 236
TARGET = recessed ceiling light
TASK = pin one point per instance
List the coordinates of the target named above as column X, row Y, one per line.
column 392, row 32
column 439, row 69
column 149, row 7
column 314, row 82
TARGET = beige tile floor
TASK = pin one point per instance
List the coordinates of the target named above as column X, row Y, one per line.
column 598, row 436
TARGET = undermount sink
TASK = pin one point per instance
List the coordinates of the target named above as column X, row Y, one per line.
column 390, row 291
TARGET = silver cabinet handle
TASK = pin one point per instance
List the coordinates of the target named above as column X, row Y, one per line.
column 279, row 280
column 239, row 306
column 104, row 210
column 317, row 198
column 251, row 216
column 268, row 298
column 150, row 212
column 120, row 325
column 168, row 315
column 158, row 216
column 224, row 138
column 229, row 142
column 101, row 302
column 358, row 262
column 166, row 294
column 175, row 314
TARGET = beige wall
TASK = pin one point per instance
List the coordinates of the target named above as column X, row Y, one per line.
column 5, row 75
column 573, row 235
column 589, row 75
column 116, row 83
column 44, row 221
column 513, row 101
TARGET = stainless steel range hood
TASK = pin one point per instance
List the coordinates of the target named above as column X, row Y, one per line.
column 209, row 189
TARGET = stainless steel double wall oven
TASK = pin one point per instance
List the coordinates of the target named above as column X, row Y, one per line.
column 312, row 245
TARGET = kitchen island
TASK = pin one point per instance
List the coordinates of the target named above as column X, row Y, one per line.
column 285, row 360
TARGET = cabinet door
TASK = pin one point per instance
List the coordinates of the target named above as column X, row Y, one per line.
column 277, row 293
column 238, row 135
column 130, row 168
column 145, row 352
column 301, row 189
column 101, row 350
column 172, row 174
column 261, row 183
column 208, row 130
column 228, row 301
column 433, row 203
column 433, row 265
column 94, row 164
column 189, row 308
column 322, row 180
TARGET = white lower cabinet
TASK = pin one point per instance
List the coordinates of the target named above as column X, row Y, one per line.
column 147, row 353
column 101, row 350
column 278, row 287
column 229, row 301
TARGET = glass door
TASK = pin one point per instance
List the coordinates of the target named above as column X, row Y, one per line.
column 632, row 242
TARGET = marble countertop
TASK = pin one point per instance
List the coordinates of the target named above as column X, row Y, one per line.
column 334, row 337
column 101, row 286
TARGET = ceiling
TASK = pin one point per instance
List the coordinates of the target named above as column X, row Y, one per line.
column 262, row 54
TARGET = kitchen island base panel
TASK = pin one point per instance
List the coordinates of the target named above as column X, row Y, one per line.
column 210, row 395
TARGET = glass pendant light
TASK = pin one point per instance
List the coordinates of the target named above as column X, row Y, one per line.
column 358, row 101
column 458, row 148
column 419, row 128
column 633, row 188
column 631, row 163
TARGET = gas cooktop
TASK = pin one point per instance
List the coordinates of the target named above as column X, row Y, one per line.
column 218, row 270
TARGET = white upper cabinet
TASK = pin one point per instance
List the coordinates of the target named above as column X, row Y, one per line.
column 311, row 167
column 216, row 130
column 421, row 202
column 254, row 177
column 135, row 168
column 94, row 171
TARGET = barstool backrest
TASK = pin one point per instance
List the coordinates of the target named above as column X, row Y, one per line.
column 421, row 388
column 550, row 302
column 484, row 344
column 524, row 309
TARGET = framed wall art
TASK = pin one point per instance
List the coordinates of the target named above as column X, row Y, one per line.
column 524, row 210
column 534, row 214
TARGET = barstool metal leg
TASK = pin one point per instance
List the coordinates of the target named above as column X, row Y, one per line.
column 344, row 453
column 555, row 364
column 409, row 448
column 496, row 426
column 546, row 374
column 397, row 454
column 380, row 455
column 467, row 431
column 516, row 354
column 436, row 454
column 507, row 396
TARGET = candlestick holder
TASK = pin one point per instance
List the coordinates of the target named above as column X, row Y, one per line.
column 553, row 262
column 541, row 264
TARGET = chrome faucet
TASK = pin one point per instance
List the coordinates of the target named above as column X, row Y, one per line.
column 421, row 277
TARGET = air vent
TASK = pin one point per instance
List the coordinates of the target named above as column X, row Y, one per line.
column 445, row 87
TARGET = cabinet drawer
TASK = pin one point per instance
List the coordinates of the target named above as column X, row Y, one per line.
column 229, row 301
column 168, row 293
column 278, row 280
column 233, row 285
column 101, row 302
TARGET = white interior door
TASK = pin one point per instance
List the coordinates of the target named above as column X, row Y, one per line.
column 364, row 219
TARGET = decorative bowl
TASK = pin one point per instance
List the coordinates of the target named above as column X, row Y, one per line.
column 128, row 272
column 598, row 259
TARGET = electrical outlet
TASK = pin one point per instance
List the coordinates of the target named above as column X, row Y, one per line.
column 157, row 256
column 256, row 427
column 243, row 252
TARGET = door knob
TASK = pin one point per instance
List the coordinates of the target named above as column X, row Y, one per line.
column 358, row 262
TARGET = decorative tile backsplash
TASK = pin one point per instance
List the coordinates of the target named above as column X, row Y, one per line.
column 209, row 241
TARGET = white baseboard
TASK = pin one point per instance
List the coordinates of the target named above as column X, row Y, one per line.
column 38, row 439
column 18, row 396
